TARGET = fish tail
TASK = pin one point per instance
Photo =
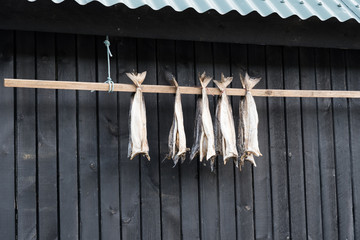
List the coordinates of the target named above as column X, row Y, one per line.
column 248, row 82
column 137, row 78
column 225, row 81
column 204, row 80
column 170, row 78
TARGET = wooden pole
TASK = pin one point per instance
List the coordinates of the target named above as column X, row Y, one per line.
column 121, row 87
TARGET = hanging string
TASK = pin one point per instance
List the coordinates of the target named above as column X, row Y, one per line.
column 108, row 52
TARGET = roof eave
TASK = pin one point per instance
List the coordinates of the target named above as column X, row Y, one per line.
column 143, row 22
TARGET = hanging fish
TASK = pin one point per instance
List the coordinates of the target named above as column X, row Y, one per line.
column 224, row 124
column 138, row 143
column 177, row 138
column 204, row 140
column 248, row 123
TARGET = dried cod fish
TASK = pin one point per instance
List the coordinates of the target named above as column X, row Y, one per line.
column 224, row 124
column 138, row 143
column 204, row 140
column 248, row 123
column 177, row 138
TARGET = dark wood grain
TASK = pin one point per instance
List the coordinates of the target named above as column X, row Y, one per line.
column 277, row 144
column 294, row 146
column 342, row 147
column 244, row 178
column 326, row 147
column 310, row 146
column 7, row 146
column 88, row 142
column 47, row 139
column 26, row 203
column 129, row 170
column 353, row 82
column 67, row 140
column 64, row 167
column 150, row 170
column 261, row 174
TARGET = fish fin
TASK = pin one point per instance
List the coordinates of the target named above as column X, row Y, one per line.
column 137, row 78
column 249, row 82
column 212, row 164
column 147, row 156
column 167, row 157
column 204, row 80
column 176, row 160
column 251, row 159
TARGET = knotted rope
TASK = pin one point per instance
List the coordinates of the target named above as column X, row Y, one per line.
column 108, row 53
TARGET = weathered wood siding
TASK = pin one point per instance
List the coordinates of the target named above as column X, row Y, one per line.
column 64, row 171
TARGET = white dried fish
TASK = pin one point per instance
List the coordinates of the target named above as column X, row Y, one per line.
column 248, row 123
column 204, row 140
column 224, row 125
column 138, row 143
column 177, row 138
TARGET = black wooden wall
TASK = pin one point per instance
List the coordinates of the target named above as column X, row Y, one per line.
column 64, row 173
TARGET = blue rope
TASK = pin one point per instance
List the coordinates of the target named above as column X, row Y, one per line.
column 109, row 80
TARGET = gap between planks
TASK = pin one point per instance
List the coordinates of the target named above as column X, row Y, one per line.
column 121, row 87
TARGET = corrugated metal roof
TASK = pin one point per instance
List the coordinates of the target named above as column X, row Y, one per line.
column 343, row 10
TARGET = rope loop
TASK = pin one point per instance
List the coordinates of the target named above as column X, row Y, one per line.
column 108, row 53
column 111, row 84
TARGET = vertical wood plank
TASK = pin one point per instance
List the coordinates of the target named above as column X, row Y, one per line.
column 67, row 139
column 108, row 147
column 150, row 182
column 129, row 170
column 243, row 179
column 342, row 147
column 326, row 147
column 294, row 146
column 7, row 151
column 225, row 172
column 209, row 202
column 47, row 139
column 170, row 190
column 353, row 81
column 26, row 139
column 310, row 146
column 261, row 174
column 279, row 172
column 189, row 177
column 88, row 142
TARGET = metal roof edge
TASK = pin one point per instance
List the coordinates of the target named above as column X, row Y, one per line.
column 342, row 12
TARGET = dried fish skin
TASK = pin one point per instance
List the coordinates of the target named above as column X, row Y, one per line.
column 204, row 139
column 207, row 125
column 138, row 143
column 177, row 137
column 248, row 123
column 225, row 127
column 197, row 130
